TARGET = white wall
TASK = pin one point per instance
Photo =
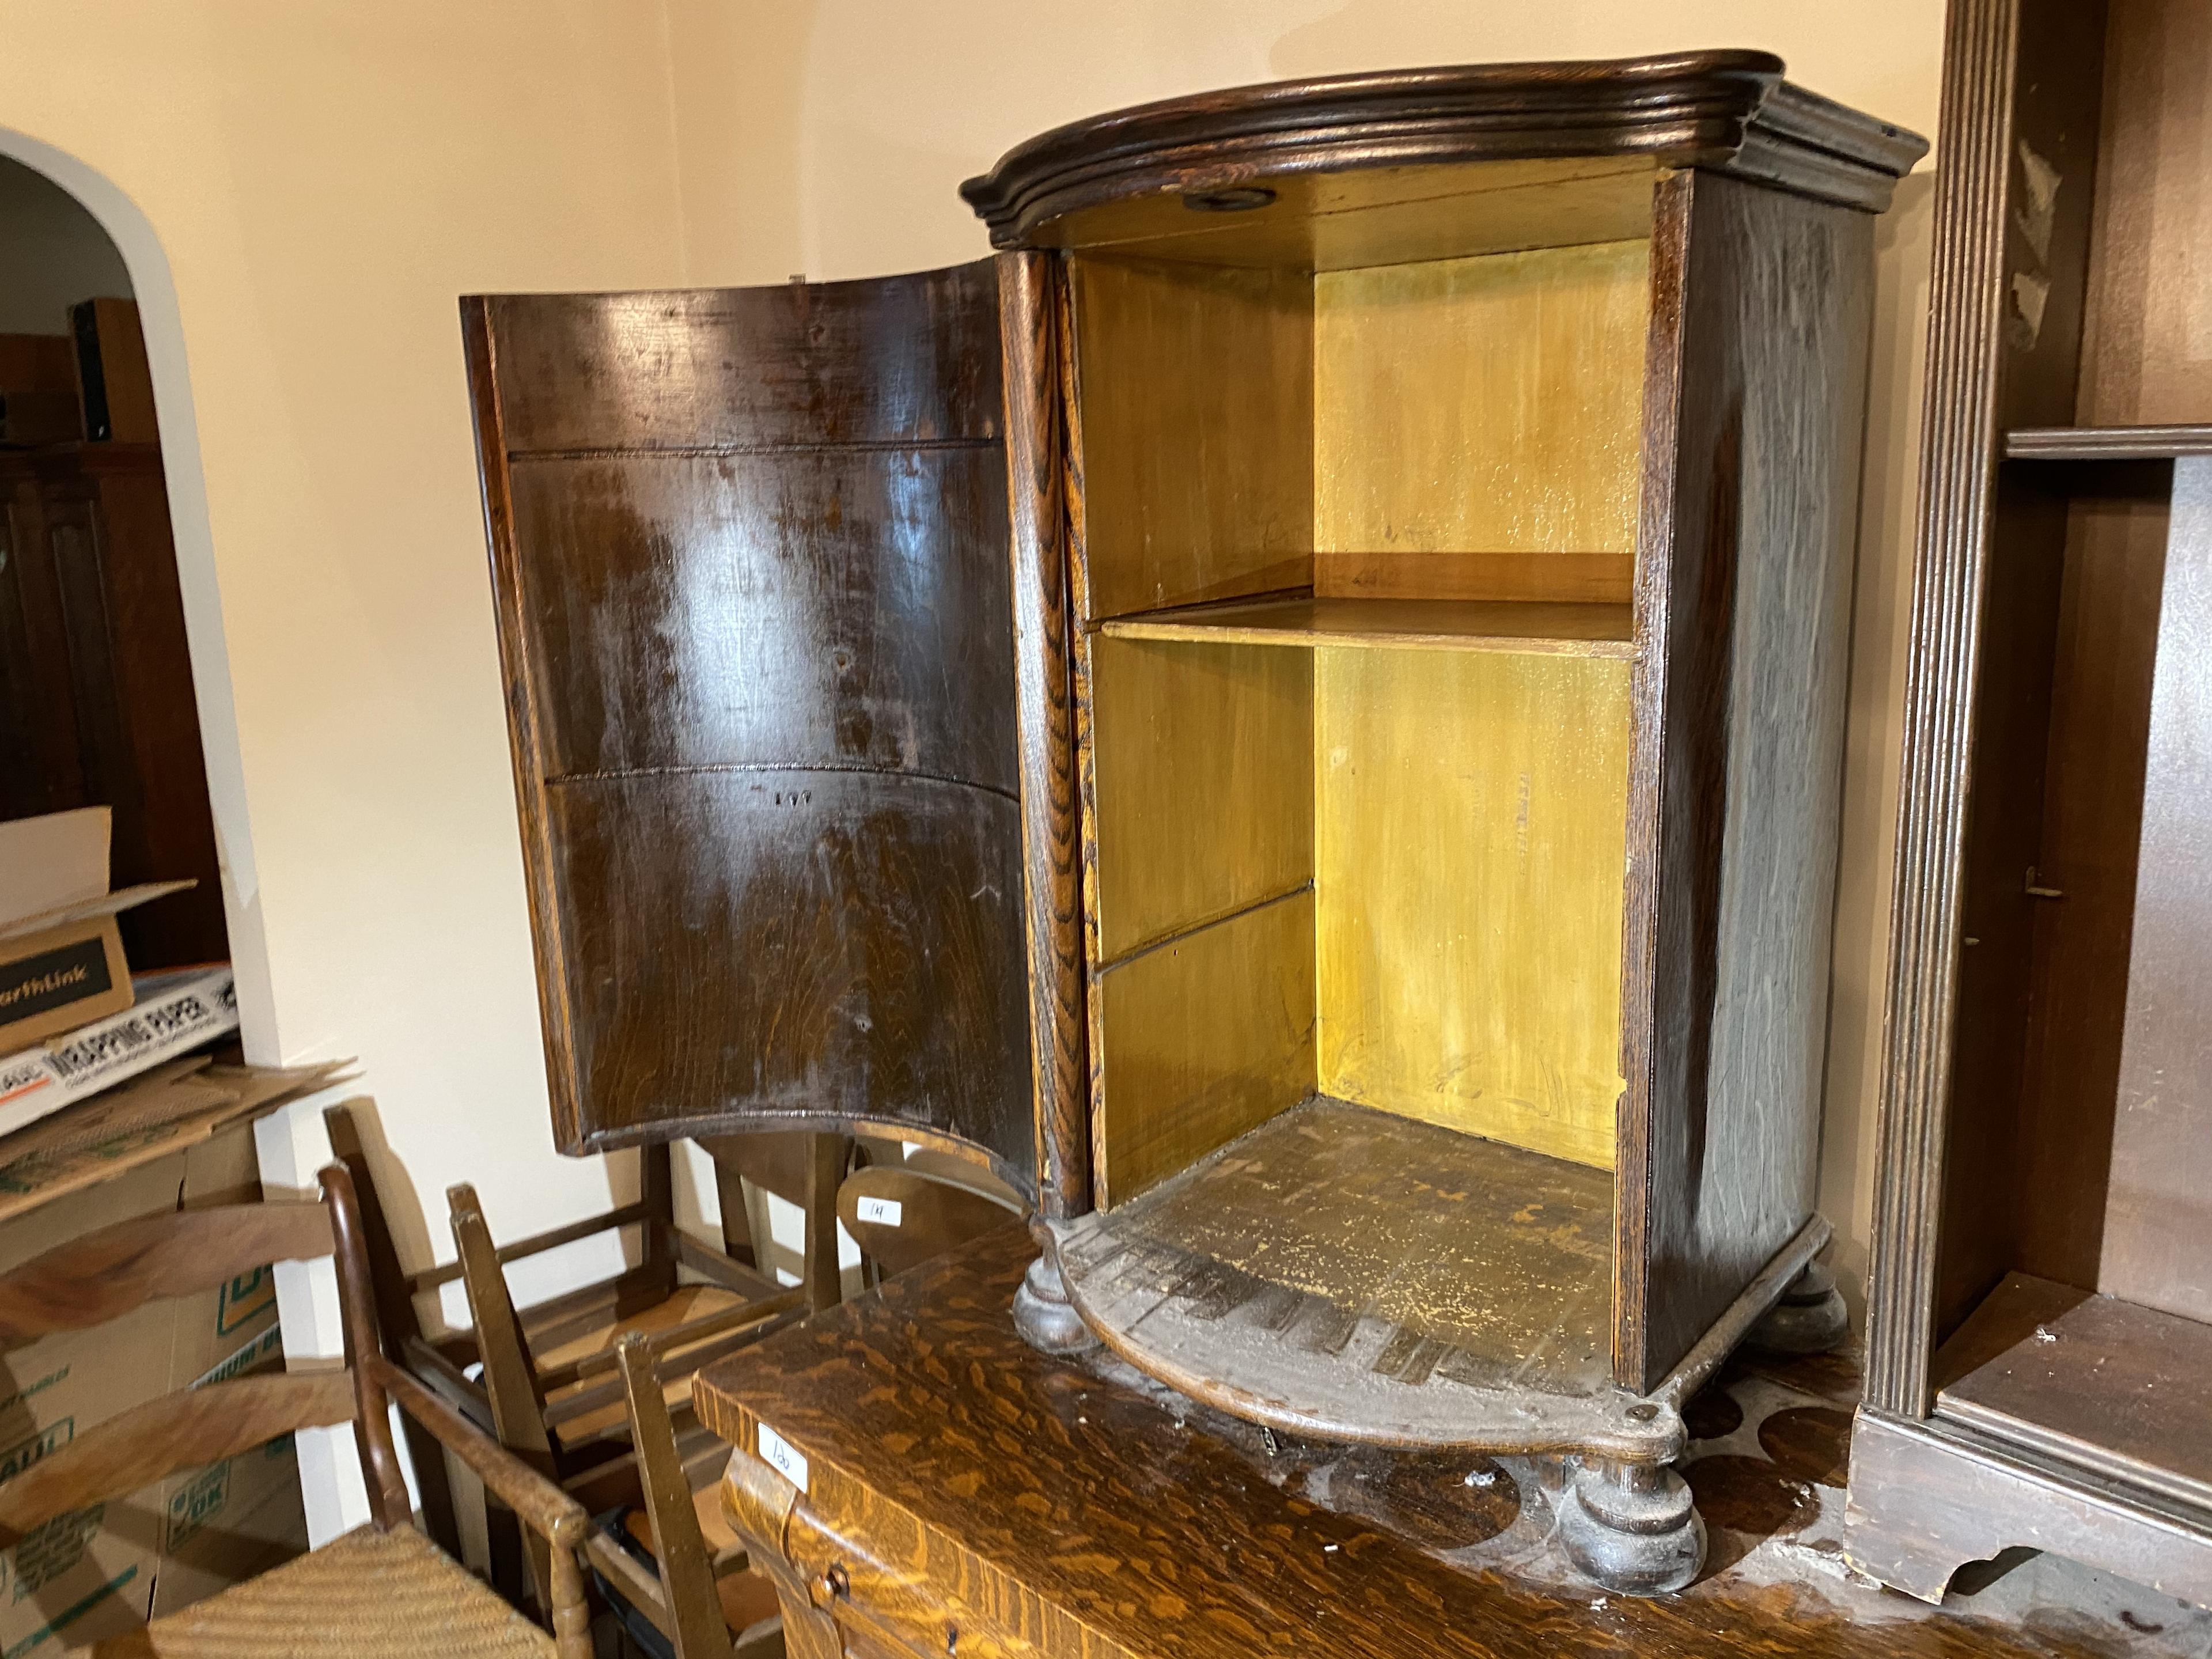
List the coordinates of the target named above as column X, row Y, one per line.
column 301, row 193
column 52, row 254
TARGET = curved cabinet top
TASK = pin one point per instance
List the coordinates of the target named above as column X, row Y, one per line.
column 1728, row 110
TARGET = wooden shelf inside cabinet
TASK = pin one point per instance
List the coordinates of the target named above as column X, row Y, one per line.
column 2106, row 443
column 1525, row 627
column 2093, row 1380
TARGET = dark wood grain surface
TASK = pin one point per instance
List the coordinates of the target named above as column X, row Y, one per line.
column 96, row 701
column 1400, row 1250
column 1031, row 298
column 1920, row 1026
column 2099, row 1381
column 901, row 1217
column 751, row 557
column 2071, row 135
column 2048, row 783
column 1930, row 1495
column 2142, row 354
column 850, row 949
column 2029, row 1176
column 906, row 360
column 857, row 625
column 1730, row 110
column 2106, row 443
column 959, row 1481
column 1744, row 584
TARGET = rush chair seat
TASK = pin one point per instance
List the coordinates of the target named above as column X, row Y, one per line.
column 380, row 1592
column 568, row 1338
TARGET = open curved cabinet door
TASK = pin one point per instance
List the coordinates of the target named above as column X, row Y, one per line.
column 749, row 555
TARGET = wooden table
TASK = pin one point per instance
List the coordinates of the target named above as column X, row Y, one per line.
column 963, row 1495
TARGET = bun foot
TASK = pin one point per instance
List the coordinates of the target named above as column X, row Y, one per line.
column 1631, row 1528
column 1042, row 1317
column 1810, row 1318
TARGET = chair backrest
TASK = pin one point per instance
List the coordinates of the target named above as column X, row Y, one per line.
column 519, row 1388
column 689, row 1610
column 800, row 1167
column 108, row 1273
column 902, row 1215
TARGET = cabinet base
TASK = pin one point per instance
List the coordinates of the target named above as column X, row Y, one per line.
column 1810, row 1318
column 1928, row 1497
column 1042, row 1317
column 1631, row 1527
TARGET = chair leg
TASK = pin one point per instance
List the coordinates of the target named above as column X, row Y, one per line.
column 656, row 1190
column 510, row 1572
column 433, row 1485
column 738, row 1240
column 826, row 1172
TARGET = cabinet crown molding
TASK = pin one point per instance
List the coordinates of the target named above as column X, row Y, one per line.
column 1730, row 110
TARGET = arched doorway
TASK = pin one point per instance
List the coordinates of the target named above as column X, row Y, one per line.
column 129, row 706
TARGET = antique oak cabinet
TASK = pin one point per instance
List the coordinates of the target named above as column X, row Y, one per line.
column 1298, row 710
column 2039, row 1348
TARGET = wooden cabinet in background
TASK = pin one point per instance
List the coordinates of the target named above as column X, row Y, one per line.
column 2039, row 1356
column 96, row 702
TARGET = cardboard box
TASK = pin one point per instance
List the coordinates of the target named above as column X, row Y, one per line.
column 61, row 959
column 59, row 978
column 181, row 1139
column 173, row 1012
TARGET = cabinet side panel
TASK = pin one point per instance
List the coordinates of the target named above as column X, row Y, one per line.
column 1200, row 1039
column 1196, row 384
column 2158, row 1226
column 2032, row 1124
column 1203, row 765
column 1754, row 626
column 2148, row 351
column 1032, row 301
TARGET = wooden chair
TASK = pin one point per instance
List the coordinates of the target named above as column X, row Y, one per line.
column 906, row 1213
column 378, row 1592
column 559, row 1408
column 586, row 1440
column 677, row 1563
column 572, row 1414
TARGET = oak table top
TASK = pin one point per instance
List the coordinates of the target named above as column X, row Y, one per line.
column 1041, row 1505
